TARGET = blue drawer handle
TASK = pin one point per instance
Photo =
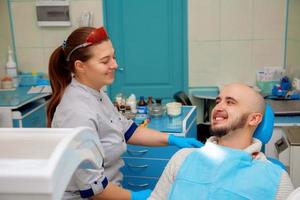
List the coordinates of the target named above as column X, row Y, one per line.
column 133, row 152
column 139, row 185
column 137, row 166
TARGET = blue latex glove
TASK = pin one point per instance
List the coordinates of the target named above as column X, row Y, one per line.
column 140, row 195
column 183, row 142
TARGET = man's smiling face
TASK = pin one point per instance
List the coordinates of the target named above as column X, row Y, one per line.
column 230, row 112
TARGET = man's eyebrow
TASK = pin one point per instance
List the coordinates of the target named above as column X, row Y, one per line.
column 231, row 98
column 218, row 98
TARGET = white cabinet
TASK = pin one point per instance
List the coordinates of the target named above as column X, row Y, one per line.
column 293, row 136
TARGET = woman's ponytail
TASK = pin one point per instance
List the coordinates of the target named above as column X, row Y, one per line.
column 60, row 76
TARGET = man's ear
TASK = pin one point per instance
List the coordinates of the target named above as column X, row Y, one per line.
column 79, row 66
column 255, row 119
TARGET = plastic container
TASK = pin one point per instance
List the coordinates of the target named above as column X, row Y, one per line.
column 11, row 68
column 156, row 110
column 266, row 86
column 296, row 83
column 7, row 84
column 174, row 108
column 28, row 79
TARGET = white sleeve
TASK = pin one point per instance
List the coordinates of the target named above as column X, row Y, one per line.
column 163, row 187
column 71, row 118
column 87, row 181
column 285, row 187
column 90, row 182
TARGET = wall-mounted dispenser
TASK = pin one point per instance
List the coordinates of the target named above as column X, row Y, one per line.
column 53, row 13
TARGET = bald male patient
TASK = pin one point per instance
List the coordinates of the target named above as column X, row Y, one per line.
column 230, row 165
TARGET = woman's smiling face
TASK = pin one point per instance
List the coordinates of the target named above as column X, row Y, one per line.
column 99, row 70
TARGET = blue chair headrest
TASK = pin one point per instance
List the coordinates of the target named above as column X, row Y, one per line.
column 265, row 129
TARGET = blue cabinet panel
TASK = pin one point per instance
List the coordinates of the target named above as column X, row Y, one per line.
column 30, row 115
column 143, row 167
column 150, row 152
column 36, row 119
column 139, row 183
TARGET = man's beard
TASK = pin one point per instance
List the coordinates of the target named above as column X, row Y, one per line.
column 237, row 124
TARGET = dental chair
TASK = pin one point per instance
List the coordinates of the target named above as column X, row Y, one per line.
column 39, row 163
column 264, row 132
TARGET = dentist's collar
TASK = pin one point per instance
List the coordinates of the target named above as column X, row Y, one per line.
column 96, row 93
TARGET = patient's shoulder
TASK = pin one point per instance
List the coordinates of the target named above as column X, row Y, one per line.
column 184, row 152
column 180, row 155
column 176, row 161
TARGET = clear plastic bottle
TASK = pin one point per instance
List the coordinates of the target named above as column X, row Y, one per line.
column 11, row 68
column 131, row 101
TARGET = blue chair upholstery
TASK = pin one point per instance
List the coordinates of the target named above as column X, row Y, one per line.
column 264, row 132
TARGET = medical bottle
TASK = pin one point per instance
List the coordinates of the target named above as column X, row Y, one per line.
column 158, row 101
column 11, row 68
column 131, row 101
column 150, row 101
column 142, row 106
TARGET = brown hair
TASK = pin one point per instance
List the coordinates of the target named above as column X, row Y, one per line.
column 60, row 70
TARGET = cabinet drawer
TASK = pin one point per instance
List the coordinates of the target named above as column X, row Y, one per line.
column 143, row 167
column 33, row 115
column 36, row 119
column 136, row 183
column 150, row 152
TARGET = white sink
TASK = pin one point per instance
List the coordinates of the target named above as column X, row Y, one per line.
column 39, row 163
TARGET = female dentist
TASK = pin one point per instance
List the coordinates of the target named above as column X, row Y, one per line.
column 78, row 70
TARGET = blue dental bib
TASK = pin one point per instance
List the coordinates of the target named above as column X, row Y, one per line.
column 220, row 173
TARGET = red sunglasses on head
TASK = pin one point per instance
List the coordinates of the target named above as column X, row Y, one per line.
column 96, row 36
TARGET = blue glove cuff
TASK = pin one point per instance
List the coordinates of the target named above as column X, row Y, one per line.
column 171, row 139
column 183, row 142
column 133, row 195
column 140, row 195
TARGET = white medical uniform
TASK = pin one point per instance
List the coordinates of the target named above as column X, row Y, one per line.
column 84, row 106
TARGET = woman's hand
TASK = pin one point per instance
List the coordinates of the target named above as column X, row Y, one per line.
column 182, row 142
